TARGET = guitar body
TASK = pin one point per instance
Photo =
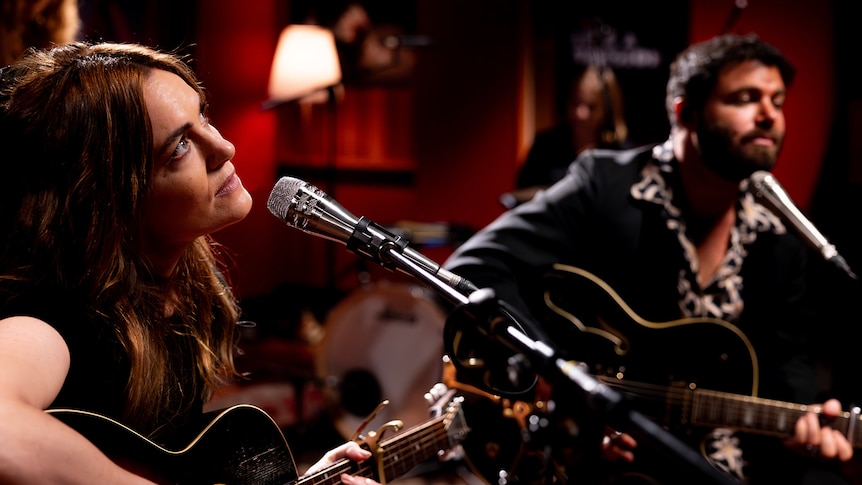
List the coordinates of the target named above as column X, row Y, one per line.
column 600, row 330
column 239, row 445
column 663, row 360
column 242, row 445
column 495, row 447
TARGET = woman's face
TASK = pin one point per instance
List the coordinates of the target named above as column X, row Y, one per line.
column 586, row 110
column 194, row 189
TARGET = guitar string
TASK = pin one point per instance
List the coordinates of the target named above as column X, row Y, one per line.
column 436, row 437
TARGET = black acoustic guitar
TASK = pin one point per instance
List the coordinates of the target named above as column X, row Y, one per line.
column 242, row 445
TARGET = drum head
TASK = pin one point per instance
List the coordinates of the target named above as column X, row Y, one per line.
column 383, row 341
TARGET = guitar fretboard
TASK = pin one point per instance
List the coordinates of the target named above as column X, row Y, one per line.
column 764, row 416
column 708, row 408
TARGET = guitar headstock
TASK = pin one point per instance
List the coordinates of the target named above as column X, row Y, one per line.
column 444, row 402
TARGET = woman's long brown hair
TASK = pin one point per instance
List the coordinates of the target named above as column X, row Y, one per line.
column 79, row 164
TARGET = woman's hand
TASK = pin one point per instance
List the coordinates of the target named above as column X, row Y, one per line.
column 350, row 450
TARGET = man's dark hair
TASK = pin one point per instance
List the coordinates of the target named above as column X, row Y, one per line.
column 695, row 70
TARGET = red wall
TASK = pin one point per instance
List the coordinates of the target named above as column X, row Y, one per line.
column 236, row 41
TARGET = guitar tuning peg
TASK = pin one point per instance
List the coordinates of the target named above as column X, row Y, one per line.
column 435, row 393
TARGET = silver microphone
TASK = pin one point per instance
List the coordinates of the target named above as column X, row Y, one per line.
column 771, row 194
column 309, row 209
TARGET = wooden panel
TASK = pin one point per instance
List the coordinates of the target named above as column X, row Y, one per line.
column 372, row 128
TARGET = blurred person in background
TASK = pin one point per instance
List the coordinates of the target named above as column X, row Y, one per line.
column 594, row 117
column 36, row 23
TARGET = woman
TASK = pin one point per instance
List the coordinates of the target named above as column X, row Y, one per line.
column 593, row 117
column 113, row 297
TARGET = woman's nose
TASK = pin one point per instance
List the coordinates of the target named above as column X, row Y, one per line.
column 222, row 150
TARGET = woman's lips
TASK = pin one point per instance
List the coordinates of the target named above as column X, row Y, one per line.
column 232, row 183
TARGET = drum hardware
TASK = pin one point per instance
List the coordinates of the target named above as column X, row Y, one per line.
column 382, row 342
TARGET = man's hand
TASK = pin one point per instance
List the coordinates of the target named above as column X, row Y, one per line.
column 812, row 439
column 618, row 446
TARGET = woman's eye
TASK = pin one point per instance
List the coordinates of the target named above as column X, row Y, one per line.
column 181, row 149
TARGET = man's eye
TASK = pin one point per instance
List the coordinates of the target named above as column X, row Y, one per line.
column 778, row 102
column 743, row 98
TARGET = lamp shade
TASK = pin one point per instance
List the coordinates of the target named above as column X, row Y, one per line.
column 305, row 62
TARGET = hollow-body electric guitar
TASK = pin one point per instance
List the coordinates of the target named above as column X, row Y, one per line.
column 242, row 445
column 605, row 330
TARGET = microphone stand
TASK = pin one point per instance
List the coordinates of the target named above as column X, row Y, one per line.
column 496, row 320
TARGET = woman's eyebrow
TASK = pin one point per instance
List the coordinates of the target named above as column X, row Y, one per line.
column 169, row 142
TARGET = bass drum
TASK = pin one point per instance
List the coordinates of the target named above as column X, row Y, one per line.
column 383, row 341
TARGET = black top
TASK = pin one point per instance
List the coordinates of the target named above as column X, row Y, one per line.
column 99, row 366
column 550, row 155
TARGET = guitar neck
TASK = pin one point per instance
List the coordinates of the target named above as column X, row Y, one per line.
column 398, row 455
column 758, row 415
column 694, row 407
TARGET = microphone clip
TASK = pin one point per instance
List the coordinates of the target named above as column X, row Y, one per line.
column 371, row 240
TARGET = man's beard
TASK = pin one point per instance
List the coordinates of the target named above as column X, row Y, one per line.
column 731, row 161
